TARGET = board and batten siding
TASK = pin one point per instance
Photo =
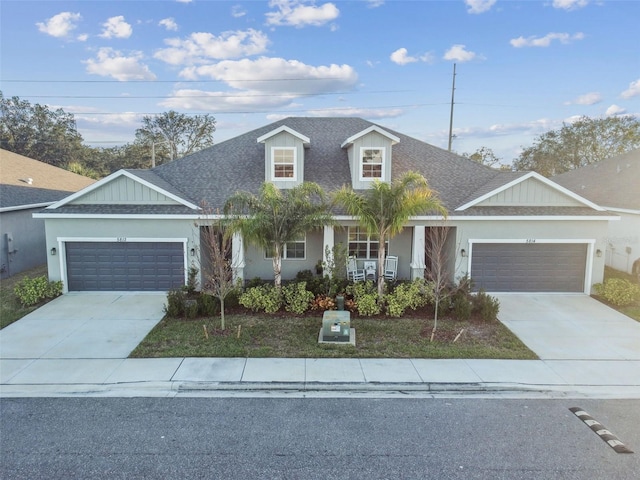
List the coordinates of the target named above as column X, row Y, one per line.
column 121, row 191
column 370, row 140
column 286, row 140
column 531, row 193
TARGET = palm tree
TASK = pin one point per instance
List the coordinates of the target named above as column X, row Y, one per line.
column 275, row 217
column 385, row 208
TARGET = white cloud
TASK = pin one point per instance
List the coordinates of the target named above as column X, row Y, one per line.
column 369, row 113
column 590, row 98
column 298, row 13
column 200, row 47
column 632, row 91
column 238, row 11
column 261, row 84
column 112, row 63
column 569, row 4
column 459, row 53
column 60, row 25
column 116, row 27
column 546, row 40
column 168, row 23
column 401, row 57
column 184, row 1
column 479, row 6
column 615, row 110
column 276, row 75
column 83, row 37
column 374, row 3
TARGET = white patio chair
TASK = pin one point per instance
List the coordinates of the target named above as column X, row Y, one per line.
column 353, row 273
column 391, row 267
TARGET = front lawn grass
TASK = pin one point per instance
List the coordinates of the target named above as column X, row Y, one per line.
column 297, row 337
column 10, row 307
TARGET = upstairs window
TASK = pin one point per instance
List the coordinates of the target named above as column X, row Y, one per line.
column 284, row 163
column 362, row 245
column 371, row 163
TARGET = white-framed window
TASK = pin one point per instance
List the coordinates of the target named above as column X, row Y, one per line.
column 371, row 163
column 292, row 250
column 362, row 245
column 283, row 163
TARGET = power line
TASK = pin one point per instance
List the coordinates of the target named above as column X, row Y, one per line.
column 129, row 97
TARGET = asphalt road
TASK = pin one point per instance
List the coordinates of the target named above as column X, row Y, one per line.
column 257, row 438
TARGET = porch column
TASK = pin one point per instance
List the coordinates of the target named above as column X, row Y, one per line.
column 237, row 256
column 328, row 242
column 417, row 248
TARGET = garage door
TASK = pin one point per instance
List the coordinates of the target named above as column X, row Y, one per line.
column 529, row 267
column 127, row 266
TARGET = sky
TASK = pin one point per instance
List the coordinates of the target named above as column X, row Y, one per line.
column 522, row 68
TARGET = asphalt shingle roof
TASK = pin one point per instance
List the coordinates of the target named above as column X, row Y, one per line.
column 215, row 173
column 48, row 183
column 614, row 182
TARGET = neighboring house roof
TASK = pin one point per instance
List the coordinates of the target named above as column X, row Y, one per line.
column 613, row 183
column 28, row 183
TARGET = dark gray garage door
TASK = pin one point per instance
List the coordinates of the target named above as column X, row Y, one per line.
column 126, row 266
column 529, row 267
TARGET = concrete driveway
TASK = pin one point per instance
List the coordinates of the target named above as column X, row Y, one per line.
column 570, row 327
column 83, row 326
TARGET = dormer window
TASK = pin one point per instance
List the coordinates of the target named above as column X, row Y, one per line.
column 371, row 163
column 284, row 163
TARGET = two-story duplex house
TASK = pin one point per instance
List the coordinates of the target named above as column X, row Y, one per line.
column 510, row 231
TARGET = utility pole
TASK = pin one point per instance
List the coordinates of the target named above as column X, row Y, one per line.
column 453, row 91
column 153, row 152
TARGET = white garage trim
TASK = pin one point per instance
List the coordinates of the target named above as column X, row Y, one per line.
column 62, row 253
column 589, row 260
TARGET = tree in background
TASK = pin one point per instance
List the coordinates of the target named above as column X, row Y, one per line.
column 484, row 156
column 37, row 132
column 584, row 142
column 276, row 217
column 175, row 134
column 385, row 208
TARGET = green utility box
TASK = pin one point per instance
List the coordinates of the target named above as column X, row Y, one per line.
column 336, row 326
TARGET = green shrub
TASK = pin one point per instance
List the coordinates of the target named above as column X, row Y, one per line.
column 191, row 309
column 619, row 292
column 406, row 295
column 208, row 305
column 192, row 280
column 462, row 307
column 31, row 291
column 486, row 306
column 264, row 298
column 297, row 298
column 365, row 297
column 175, row 306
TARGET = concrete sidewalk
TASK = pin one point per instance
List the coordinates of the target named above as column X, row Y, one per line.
column 223, row 376
column 79, row 344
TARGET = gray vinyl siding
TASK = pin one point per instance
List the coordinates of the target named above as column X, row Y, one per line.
column 284, row 139
column 531, row 192
column 370, row 140
column 29, row 247
column 123, row 191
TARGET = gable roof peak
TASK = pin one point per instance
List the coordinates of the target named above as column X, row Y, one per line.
column 281, row 129
column 372, row 128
